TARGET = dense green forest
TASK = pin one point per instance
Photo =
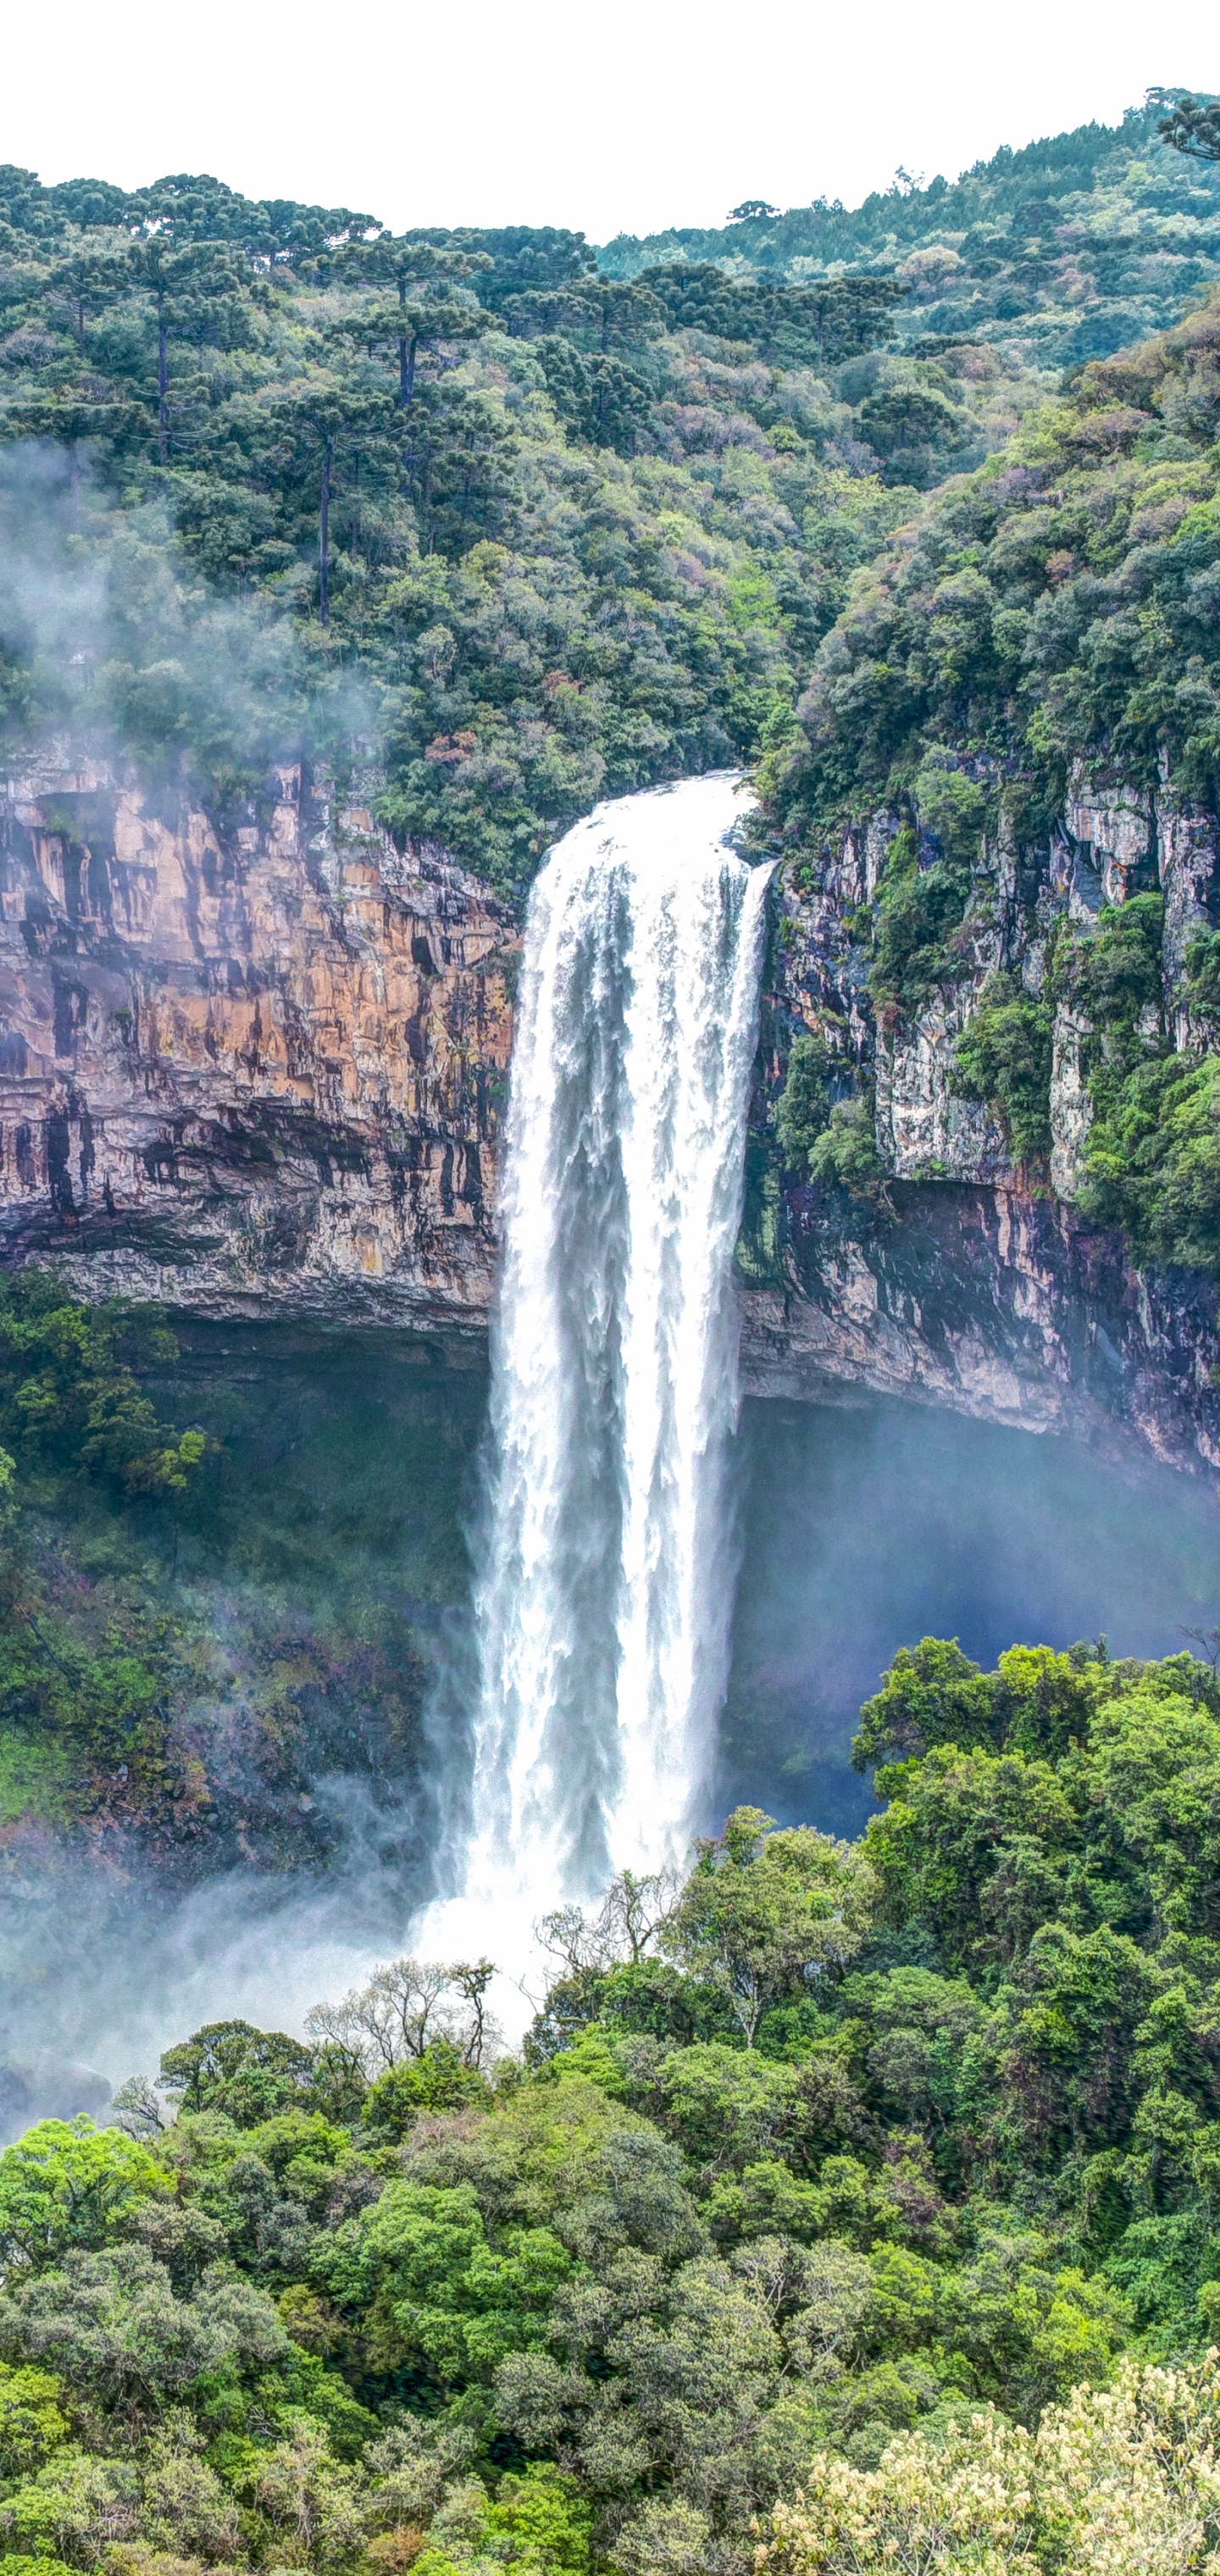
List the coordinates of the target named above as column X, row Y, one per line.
column 1069, row 249
column 523, row 528
column 819, row 2174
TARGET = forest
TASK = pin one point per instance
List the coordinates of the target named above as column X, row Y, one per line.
column 886, row 506
column 849, row 2205
column 524, row 529
column 845, row 2198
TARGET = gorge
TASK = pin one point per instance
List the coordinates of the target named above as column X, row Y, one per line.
column 610, row 1380
column 262, row 1072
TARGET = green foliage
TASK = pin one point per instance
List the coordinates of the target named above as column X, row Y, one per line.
column 67, row 2184
column 433, row 2294
column 1030, row 622
column 1036, row 1702
column 845, row 1155
column 820, row 2151
column 84, row 1435
column 1152, row 1157
column 763, row 1910
column 70, row 1404
column 457, row 495
column 1076, row 245
column 1043, row 629
column 247, row 2074
column 437, row 2080
column 1193, row 128
column 32, row 2421
column 918, row 909
column 1003, row 1058
column 804, row 1106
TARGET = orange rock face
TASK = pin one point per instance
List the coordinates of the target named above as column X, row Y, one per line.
column 248, row 1068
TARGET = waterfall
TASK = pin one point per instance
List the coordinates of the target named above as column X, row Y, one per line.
column 603, row 1594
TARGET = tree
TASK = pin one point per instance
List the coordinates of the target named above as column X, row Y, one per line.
column 1193, row 127
column 32, row 2421
column 804, row 1105
column 67, row 2184
column 407, row 2006
column 432, row 2291
column 632, row 1915
column 802, row 325
column 90, row 278
column 426, row 311
column 611, row 313
column 69, row 1401
column 765, row 1912
column 1004, row 1060
column 155, row 267
column 113, row 2328
column 318, row 423
column 246, row 2073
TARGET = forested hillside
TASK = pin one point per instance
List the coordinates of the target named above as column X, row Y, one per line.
column 1042, row 640
column 564, row 542
column 522, row 528
column 819, row 2175
column 1065, row 250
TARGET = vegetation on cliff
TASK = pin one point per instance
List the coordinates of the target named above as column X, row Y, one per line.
column 1044, row 631
column 198, row 1623
column 820, row 2174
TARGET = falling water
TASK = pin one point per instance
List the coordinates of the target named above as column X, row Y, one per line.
column 604, row 1593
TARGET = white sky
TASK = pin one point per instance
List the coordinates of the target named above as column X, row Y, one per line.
column 554, row 111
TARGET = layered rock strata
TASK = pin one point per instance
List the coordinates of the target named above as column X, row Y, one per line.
column 960, row 1287
column 248, row 1067
column 257, row 1067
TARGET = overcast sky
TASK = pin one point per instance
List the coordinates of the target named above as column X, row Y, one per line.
column 612, row 119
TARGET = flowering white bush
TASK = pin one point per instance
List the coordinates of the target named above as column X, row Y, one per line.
column 1123, row 2481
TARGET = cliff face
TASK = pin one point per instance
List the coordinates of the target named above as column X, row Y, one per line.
column 260, row 1070
column 250, row 1069
column 957, row 1285
column 997, row 1305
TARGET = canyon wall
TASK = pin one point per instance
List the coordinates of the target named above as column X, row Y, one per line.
column 958, row 1285
column 249, row 1069
column 258, row 1067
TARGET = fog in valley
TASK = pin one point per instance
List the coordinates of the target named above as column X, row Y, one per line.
column 862, row 1526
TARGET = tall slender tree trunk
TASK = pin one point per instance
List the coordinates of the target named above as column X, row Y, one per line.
column 328, row 459
column 408, row 395
column 162, row 387
column 80, row 324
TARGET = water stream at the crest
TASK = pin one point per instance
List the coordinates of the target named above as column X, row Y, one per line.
column 604, row 1592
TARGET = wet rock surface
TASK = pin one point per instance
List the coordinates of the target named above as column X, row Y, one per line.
column 258, row 1069
column 247, row 1069
column 996, row 1305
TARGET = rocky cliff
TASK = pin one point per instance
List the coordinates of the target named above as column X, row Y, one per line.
column 250, row 1068
column 258, row 1068
column 959, row 1284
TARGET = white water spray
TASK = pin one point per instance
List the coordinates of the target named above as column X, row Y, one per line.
column 603, row 1599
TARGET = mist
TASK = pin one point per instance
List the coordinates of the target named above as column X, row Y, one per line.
column 869, row 1525
column 862, row 1526
column 125, row 655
